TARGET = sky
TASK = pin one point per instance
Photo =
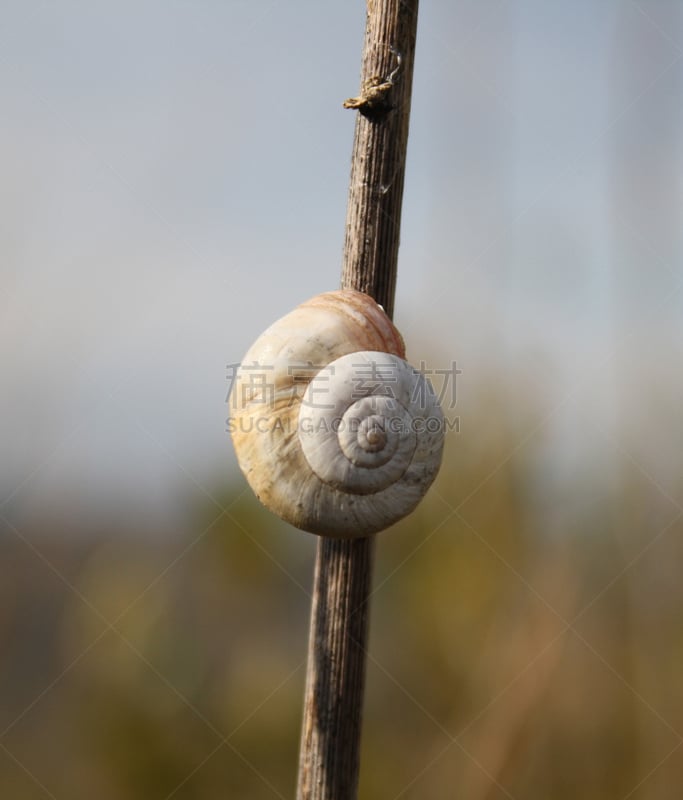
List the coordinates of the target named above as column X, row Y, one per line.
column 175, row 179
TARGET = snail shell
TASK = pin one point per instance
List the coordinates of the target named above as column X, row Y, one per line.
column 334, row 431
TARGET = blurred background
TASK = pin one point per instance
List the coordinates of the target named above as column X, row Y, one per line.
column 175, row 179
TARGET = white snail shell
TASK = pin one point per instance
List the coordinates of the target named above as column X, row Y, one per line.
column 334, row 431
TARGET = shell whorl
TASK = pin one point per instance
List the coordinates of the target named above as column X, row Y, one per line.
column 334, row 431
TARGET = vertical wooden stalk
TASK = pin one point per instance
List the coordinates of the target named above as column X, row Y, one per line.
column 330, row 742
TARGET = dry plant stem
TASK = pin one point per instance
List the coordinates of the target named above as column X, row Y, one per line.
column 330, row 743
column 373, row 217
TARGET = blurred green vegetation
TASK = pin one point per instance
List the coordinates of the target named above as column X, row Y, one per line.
column 525, row 642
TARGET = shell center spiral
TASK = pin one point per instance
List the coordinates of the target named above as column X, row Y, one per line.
column 356, row 432
column 371, row 435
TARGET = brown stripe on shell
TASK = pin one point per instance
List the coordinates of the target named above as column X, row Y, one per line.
column 367, row 314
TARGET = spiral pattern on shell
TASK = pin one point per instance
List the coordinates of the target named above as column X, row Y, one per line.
column 334, row 431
